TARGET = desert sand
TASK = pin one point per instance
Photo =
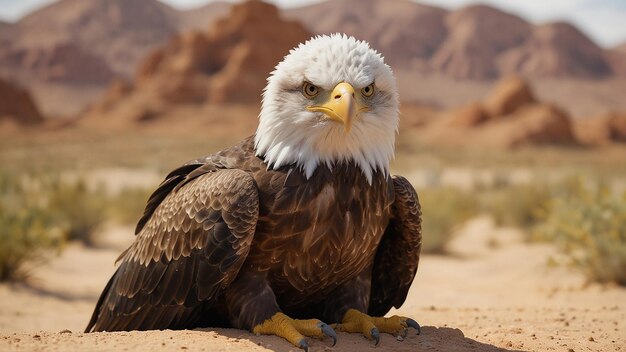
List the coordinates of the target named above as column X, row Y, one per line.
column 491, row 292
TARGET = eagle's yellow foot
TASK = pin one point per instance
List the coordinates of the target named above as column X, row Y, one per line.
column 295, row 330
column 371, row 327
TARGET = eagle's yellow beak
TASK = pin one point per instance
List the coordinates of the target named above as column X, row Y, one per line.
column 341, row 105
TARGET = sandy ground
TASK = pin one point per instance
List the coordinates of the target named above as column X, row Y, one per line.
column 493, row 292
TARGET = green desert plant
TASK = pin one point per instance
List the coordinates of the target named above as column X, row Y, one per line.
column 444, row 209
column 27, row 229
column 80, row 209
column 127, row 206
column 588, row 223
column 517, row 205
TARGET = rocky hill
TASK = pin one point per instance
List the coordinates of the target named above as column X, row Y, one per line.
column 17, row 106
column 509, row 116
column 227, row 64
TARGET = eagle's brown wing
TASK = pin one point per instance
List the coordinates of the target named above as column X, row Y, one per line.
column 398, row 253
column 192, row 242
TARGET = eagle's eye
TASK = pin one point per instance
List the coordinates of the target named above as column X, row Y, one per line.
column 368, row 91
column 309, row 90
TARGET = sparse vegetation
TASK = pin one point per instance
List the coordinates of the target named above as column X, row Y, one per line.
column 444, row 209
column 38, row 213
column 588, row 223
column 27, row 228
column 517, row 205
column 80, row 209
column 127, row 206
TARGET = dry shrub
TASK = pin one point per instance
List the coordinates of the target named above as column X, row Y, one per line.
column 127, row 206
column 80, row 209
column 27, row 229
column 588, row 223
column 39, row 213
column 519, row 206
column 444, row 209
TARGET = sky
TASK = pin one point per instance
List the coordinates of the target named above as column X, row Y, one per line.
column 603, row 20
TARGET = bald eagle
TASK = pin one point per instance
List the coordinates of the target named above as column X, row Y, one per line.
column 294, row 228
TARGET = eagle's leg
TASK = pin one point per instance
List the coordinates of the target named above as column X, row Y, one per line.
column 295, row 330
column 252, row 305
column 347, row 304
column 371, row 327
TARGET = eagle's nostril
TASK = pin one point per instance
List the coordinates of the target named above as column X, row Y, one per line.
column 338, row 96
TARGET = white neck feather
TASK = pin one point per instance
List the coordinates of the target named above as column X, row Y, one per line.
column 289, row 134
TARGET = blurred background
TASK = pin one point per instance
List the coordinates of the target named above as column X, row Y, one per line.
column 513, row 131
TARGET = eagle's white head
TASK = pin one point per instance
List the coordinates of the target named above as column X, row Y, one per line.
column 331, row 100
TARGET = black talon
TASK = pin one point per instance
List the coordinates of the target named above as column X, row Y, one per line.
column 412, row 323
column 304, row 345
column 328, row 331
column 375, row 335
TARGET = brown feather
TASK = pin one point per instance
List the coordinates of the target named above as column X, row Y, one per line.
column 225, row 236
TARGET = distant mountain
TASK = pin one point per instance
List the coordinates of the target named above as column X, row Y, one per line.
column 77, row 44
column 203, row 17
column 556, row 50
column 63, row 63
column 477, row 35
column 118, row 31
column 617, row 59
column 405, row 32
column 476, row 42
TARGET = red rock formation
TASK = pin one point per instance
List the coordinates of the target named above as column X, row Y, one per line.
column 509, row 94
column 230, row 63
column 539, row 124
column 17, row 105
column 508, row 117
column 603, row 129
column 617, row 127
column 469, row 116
